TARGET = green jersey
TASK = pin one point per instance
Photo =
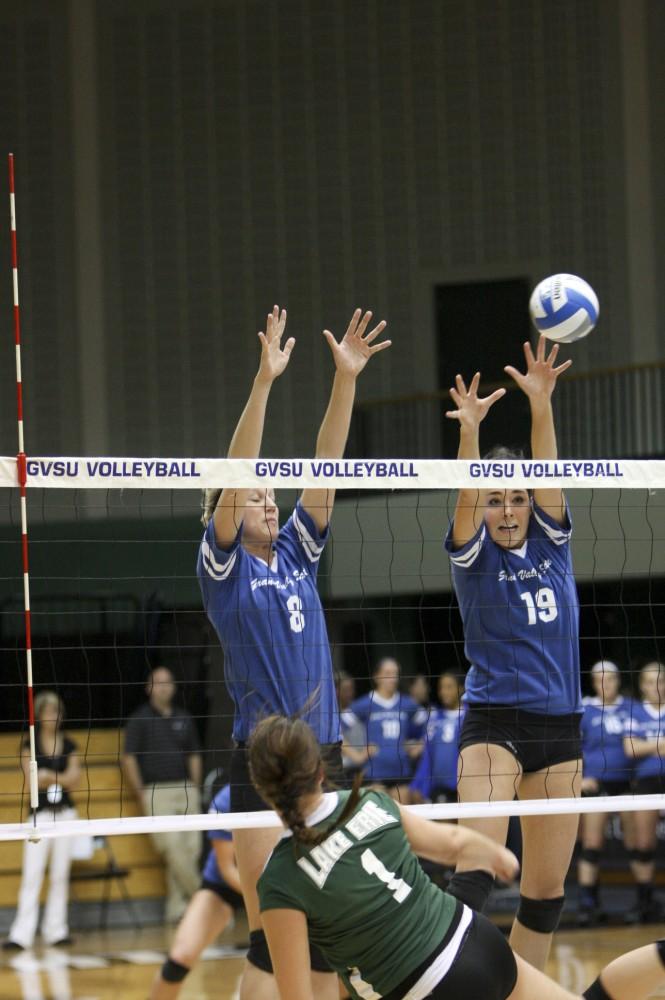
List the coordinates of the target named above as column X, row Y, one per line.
column 370, row 908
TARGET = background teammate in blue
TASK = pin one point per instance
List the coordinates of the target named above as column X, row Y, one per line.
column 607, row 771
column 259, row 590
column 209, row 911
column 513, row 578
column 435, row 779
column 644, row 741
column 394, row 727
column 345, row 872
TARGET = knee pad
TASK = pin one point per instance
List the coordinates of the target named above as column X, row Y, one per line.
column 591, row 855
column 643, row 857
column 258, row 953
column 541, row 915
column 596, row 991
column 472, row 888
column 173, row 972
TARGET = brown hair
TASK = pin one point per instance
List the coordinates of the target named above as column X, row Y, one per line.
column 285, row 764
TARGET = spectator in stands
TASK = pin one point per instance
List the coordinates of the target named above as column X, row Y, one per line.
column 418, row 689
column 58, row 773
column 607, row 771
column 354, row 733
column 162, row 763
column 210, row 910
column 395, row 727
column 435, row 779
column 644, row 741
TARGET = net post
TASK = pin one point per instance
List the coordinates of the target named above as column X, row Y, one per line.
column 22, row 476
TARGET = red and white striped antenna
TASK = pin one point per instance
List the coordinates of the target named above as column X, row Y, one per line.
column 22, row 470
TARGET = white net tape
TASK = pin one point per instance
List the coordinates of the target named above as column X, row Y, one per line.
column 299, row 473
column 103, row 473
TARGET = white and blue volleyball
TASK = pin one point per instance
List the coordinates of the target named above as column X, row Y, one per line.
column 564, row 308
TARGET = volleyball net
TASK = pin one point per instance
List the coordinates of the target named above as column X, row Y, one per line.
column 113, row 592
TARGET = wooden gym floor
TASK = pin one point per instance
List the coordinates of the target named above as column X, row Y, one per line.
column 120, row 964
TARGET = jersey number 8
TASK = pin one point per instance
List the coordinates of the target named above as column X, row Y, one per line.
column 296, row 617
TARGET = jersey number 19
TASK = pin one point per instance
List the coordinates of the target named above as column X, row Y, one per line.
column 543, row 607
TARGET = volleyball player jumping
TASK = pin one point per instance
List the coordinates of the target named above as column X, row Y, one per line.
column 259, row 590
column 346, row 875
column 514, row 582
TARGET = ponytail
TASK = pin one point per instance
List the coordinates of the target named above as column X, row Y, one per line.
column 285, row 765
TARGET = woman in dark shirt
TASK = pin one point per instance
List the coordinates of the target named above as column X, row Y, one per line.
column 58, row 773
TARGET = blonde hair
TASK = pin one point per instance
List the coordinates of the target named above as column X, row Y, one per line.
column 209, row 501
column 49, row 698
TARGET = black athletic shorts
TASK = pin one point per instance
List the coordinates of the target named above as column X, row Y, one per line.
column 225, row 892
column 536, row 741
column 484, row 968
column 654, row 785
column 444, row 795
column 245, row 798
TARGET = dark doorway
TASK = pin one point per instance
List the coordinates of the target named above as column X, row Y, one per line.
column 481, row 326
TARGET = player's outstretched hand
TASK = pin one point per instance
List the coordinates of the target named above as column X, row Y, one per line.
column 471, row 409
column 356, row 347
column 540, row 378
column 274, row 357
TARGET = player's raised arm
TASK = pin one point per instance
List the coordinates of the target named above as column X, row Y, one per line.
column 246, row 440
column 471, row 411
column 351, row 355
column 538, row 383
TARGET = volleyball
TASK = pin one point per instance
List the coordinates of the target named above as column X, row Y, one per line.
column 564, row 307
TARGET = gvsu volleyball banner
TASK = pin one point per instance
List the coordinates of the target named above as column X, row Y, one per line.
column 299, row 473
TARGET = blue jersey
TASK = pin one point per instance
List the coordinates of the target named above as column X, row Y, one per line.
column 272, row 628
column 389, row 722
column 437, row 768
column 602, row 730
column 646, row 723
column 220, row 804
column 520, row 613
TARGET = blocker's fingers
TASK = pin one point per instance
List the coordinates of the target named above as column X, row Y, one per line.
column 475, row 382
column 497, row 394
column 551, row 358
column 351, row 328
column 455, row 396
column 452, row 414
column 362, row 326
column 380, row 347
column 461, row 386
column 288, row 346
column 540, row 349
column 373, row 334
column 262, row 337
column 563, row 367
column 528, row 354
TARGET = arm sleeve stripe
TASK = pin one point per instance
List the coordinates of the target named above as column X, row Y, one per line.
column 214, row 569
column 312, row 549
column 558, row 535
column 468, row 558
